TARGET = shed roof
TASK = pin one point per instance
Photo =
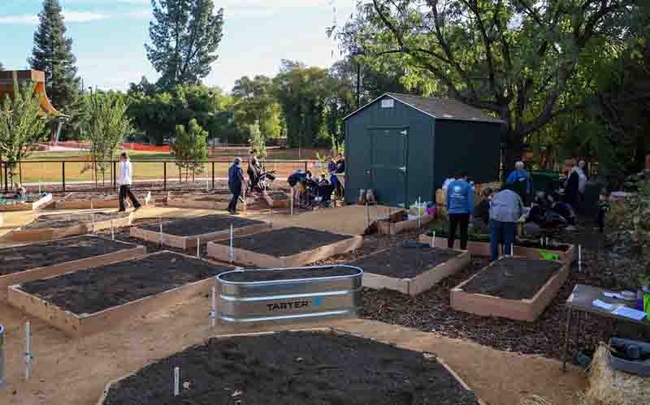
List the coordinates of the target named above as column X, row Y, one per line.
column 438, row 108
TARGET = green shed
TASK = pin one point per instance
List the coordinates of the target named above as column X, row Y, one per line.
column 404, row 147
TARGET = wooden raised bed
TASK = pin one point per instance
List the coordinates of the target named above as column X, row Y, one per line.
column 82, row 324
column 395, row 224
column 154, row 382
column 277, row 199
column 523, row 309
column 483, row 249
column 285, row 247
column 84, row 226
column 206, row 228
column 72, row 203
column 52, row 267
column 29, row 205
column 218, row 200
column 410, row 270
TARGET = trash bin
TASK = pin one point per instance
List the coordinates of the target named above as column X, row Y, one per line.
column 544, row 180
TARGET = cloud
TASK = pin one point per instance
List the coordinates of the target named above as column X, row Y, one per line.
column 70, row 17
column 140, row 14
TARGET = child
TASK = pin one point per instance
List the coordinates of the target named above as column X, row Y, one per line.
column 603, row 207
column 21, row 192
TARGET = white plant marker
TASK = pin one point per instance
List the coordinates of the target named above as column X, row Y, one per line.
column 213, row 314
column 161, row 232
column 512, row 249
column 231, row 251
column 112, row 231
column 28, row 351
column 92, row 214
column 433, row 239
column 177, row 381
column 580, row 258
column 419, row 213
column 39, row 187
column 207, row 186
column 198, row 248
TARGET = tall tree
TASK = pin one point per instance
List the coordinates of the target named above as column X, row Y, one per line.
column 185, row 35
column 513, row 58
column 22, row 124
column 53, row 55
column 256, row 104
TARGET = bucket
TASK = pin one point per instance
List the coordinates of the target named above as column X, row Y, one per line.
column 2, row 356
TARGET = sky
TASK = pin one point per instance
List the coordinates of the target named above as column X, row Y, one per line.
column 109, row 37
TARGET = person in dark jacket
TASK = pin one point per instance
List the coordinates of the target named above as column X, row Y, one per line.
column 235, row 182
column 481, row 221
column 460, row 205
column 572, row 186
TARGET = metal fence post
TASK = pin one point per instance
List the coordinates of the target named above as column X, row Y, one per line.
column 63, row 174
column 213, row 174
column 165, row 176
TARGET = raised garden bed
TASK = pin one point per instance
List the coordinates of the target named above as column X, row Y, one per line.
column 183, row 233
column 399, row 222
column 306, row 367
column 83, row 201
column 57, row 226
column 31, row 203
column 277, row 199
column 285, row 247
column 24, row 263
column 97, row 299
column 480, row 246
column 410, row 270
column 253, row 297
column 511, row 287
column 215, row 200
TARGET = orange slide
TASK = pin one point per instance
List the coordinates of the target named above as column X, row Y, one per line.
column 7, row 87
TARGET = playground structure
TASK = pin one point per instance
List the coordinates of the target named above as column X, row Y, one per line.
column 37, row 76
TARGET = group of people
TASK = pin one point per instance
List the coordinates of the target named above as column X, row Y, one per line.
column 499, row 211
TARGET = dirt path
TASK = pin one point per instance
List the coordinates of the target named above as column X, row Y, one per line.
column 74, row 372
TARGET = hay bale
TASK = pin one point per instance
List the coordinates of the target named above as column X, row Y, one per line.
column 612, row 387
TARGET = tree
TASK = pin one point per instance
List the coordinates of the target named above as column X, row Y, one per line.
column 108, row 125
column 53, row 55
column 190, row 148
column 22, row 124
column 185, row 35
column 256, row 140
column 512, row 58
column 255, row 103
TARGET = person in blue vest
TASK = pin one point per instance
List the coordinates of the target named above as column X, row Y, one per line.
column 460, row 204
column 235, row 183
column 520, row 182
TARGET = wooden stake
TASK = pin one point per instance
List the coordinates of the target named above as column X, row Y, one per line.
column 580, row 258
column 433, row 239
column 92, row 214
column 161, row 232
column 28, row 351
column 213, row 314
column 291, row 200
column 198, row 248
column 112, row 231
column 177, row 381
column 419, row 213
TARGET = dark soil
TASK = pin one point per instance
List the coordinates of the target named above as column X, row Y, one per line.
column 21, row 258
column 403, row 262
column 202, row 225
column 513, row 278
column 293, row 368
column 485, row 238
column 115, row 284
column 68, row 220
column 289, row 274
column 278, row 195
column 285, row 241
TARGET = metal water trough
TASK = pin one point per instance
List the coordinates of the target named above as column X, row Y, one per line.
column 247, row 297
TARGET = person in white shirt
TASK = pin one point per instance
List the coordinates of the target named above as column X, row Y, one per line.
column 126, row 171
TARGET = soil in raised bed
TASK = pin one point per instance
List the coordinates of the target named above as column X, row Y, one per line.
column 285, row 242
column 293, row 368
column 278, row 195
column 288, row 274
column 405, row 262
column 513, row 278
column 115, row 284
column 69, row 220
column 26, row 257
column 202, row 225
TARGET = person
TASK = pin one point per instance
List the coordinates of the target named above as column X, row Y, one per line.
column 572, row 185
column 582, row 184
column 254, row 170
column 20, row 192
column 481, row 221
column 235, row 182
column 603, row 208
column 340, row 163
column 460, row 204
column 126, row 178
column 447, row 182
column 536, row 218
column 520, row 182
column 331, row 165
column 506, row 208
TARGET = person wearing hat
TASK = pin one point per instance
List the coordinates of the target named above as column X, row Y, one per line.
column 235, row 183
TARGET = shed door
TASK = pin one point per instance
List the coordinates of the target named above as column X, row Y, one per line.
column 388, row 164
